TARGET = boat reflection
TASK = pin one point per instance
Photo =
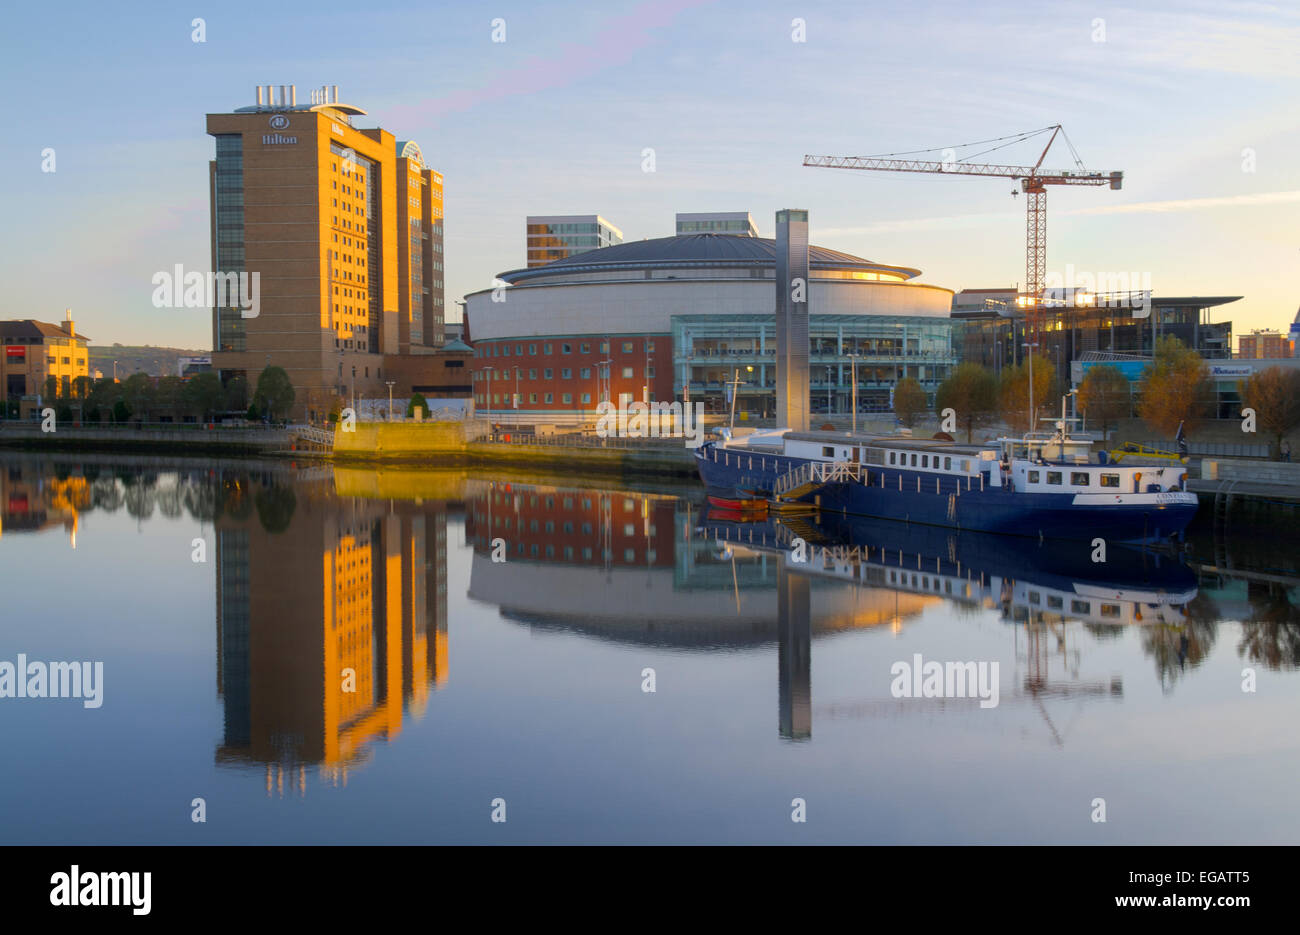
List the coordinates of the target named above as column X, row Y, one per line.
column 654, row 570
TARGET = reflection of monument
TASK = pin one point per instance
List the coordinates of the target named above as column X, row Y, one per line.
column 794, row 654
column 329, row 632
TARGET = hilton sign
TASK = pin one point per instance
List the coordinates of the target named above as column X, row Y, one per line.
column 275, row 139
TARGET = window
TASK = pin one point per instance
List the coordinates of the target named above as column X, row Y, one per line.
column 566, row 348
column 586, row 347
column 546, row 348
column 1054, row 477
column 947, row 464
column 1033, row 477
column 585, row 373
column 828, row 451
column 566, row 373
column 1054, row 602
column 532, row 373
column 925, row 461
column 1079, row 478
column 627, row 372
column 506, row 350
column 1035, row 597
column 649, row 371
column 1110, row 610
column 1110, row 480
column 549, row 398
column 892, row 455
column 532, row 397
column 519, row 350
column 604, row 347
column 913, row 460
column 586, row 397
column 627, row 347
column 532, row 349
column 1080, row 607
column 566, row 398
column 547, row 373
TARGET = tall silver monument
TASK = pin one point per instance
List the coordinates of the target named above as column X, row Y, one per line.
column 792, row 289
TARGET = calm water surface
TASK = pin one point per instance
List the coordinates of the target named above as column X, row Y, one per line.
column 334, row 656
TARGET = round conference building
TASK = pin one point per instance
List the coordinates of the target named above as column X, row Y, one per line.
column 690, row 317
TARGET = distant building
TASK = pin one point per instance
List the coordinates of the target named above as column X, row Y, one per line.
column 34, row 351
column 554, row 237
column 454, row 331
column 189, row 366
column 736, row 223
column 683, row 318
column 344, row 226
column 1262, row 343
column 989, row 326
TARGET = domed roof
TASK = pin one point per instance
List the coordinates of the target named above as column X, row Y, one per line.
column 698, row 251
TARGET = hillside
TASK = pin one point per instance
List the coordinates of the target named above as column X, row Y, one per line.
column 155, row 361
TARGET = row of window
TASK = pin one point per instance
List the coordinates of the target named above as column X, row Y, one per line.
column 899, row 459
column 1077, row 478
column 566, row 373
column 548, row 398
column 503, row 350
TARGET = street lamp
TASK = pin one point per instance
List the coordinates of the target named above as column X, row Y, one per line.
column 1033, row 421
column 389, row 384
column 735, row 391
column 354, row 389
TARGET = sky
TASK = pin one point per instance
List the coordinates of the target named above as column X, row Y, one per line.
column 1194, row 101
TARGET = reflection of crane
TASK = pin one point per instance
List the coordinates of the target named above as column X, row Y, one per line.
column 1033, row 182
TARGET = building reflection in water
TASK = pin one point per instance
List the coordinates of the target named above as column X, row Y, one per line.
column 32, row 499
column 331, row 628
column 650, row 569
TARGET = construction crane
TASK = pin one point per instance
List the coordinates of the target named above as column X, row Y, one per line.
column 1033, row 182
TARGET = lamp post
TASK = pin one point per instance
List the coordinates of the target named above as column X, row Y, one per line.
column 1029, row 346
column 354, row 388
column 735, row 391
column 389, row 384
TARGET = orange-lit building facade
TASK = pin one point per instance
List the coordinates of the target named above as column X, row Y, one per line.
column 330, row 632
column 34, row 351
column 344, row 227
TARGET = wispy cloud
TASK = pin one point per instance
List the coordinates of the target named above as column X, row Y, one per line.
column 1192, row 204
column 616, row 42
column 962, row 221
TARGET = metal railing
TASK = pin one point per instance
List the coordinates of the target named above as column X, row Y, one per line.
column 582, row 441
column 817, row 472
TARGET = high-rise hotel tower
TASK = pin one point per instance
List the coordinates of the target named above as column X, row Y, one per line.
column 344, row 227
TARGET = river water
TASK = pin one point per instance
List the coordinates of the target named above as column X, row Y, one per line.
column 309, row 654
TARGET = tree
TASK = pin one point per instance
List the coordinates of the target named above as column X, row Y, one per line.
column 168, row 395
column 1013, row 393
column 1274, row 394
column 236, row 393
column 1105, row 396
column 1176, row 389
column 909, row 401
column 138, row 394
column 417, row 400
column 51, row 388
column 274, row 394
column 972, row 392
column 203, row 395
column 121, row 411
